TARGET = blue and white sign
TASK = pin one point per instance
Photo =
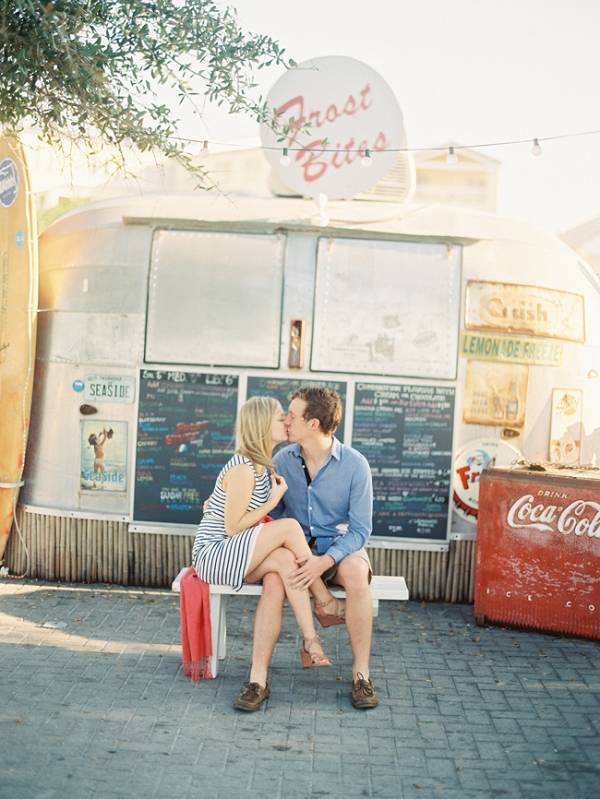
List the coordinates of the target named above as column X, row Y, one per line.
column 109, row 388
column 9, row 182
column 20, row 238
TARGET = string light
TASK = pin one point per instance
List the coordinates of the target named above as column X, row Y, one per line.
column 450, row 150
column 285, row 160
column 366, row 160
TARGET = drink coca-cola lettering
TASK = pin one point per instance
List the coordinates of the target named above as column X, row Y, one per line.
column 579, row 517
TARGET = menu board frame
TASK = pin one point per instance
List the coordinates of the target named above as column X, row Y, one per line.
column 189, row 437
column 407, row 460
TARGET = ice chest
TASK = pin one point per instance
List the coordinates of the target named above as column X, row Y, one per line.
column 538, row 550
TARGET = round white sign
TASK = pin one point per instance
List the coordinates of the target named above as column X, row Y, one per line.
column 349, row 109
column 469, row 462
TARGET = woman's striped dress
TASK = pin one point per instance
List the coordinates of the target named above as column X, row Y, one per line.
column 219, row 558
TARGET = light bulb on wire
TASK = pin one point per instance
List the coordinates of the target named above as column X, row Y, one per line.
column 366, row 160
column 536, row 149
column 451, row 158
column 204, row 152
column 285, row 160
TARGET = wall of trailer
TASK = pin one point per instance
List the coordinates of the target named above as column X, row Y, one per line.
column 142, row 313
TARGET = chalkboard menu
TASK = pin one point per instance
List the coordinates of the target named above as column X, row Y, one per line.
column 184, row 437
column 282, row 389
column 405, row 432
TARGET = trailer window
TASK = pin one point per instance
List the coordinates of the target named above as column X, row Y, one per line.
column 215, row 299
column 387, row 308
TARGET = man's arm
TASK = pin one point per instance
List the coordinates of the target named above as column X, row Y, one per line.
column 360, row 515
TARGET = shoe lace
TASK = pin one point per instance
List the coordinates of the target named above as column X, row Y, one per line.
column 251, row 690
column 366, row 686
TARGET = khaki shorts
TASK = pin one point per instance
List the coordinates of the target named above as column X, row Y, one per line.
column 328, row 576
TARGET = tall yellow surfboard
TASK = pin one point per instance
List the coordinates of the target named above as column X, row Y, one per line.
column 18, row 315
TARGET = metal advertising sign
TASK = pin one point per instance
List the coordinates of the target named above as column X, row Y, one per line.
column 532, row 310
column 495, row 394
column 469, row 465
column 511, row 349
column 349, row 109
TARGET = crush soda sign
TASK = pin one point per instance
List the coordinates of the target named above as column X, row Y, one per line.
column 336, row 108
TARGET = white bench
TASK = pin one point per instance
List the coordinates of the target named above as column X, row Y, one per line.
column 391, row 588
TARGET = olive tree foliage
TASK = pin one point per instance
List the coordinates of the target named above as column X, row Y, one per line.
column 89, row 70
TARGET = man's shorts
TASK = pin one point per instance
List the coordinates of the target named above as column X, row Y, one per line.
column 328, row 576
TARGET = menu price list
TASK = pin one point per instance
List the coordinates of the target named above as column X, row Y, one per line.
column 405, row 432
column 184, row 437
column 282, row 389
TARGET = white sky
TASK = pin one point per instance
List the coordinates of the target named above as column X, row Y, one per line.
column 464, row 71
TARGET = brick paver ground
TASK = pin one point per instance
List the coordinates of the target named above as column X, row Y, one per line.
column 94, row 704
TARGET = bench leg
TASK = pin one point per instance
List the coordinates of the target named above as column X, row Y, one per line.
column 223, row 629
column 215, row 628
column 375, row 607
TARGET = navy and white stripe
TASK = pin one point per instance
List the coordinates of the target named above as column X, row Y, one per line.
column 218, row 558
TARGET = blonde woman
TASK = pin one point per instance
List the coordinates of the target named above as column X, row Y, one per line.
column 233, row 546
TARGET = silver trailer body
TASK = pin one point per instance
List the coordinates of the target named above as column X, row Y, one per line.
column 198, row 283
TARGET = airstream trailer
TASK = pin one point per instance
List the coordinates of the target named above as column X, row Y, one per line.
column 456, row 338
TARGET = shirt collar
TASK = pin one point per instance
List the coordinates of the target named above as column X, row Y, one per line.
column 336, row 450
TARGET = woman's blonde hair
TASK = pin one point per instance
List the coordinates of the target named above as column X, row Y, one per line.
column 254, row 430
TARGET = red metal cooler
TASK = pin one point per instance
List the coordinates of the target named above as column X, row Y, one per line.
column 538, row 550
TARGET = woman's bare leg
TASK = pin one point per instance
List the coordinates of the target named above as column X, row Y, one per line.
column 282, row 561
column 286, row 533
column 267, row 626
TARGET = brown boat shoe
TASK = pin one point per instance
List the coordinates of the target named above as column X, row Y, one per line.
column 363, row 693
column 252, row 697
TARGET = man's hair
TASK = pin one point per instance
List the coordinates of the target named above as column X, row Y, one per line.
column 323, row 404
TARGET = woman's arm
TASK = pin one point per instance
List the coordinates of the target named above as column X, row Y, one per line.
column 238, row 485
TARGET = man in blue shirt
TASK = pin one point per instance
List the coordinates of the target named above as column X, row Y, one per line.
column 330, row 493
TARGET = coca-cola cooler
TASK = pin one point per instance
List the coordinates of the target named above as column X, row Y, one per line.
column 538, row 550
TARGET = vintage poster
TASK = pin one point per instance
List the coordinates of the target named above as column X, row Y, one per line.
column 565, row 431
column 529, row 310
column 103, row 455
column 495, row 394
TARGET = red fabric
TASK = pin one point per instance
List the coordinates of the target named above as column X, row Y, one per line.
column 196, row 639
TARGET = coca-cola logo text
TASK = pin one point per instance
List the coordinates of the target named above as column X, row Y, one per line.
column 578, row 517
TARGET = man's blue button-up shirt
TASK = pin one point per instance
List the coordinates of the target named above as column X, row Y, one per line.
column 341, row 493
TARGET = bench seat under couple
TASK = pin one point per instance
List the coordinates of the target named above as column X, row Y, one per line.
column 390, row 588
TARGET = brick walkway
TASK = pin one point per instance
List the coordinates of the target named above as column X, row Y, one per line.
column 94, row 704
